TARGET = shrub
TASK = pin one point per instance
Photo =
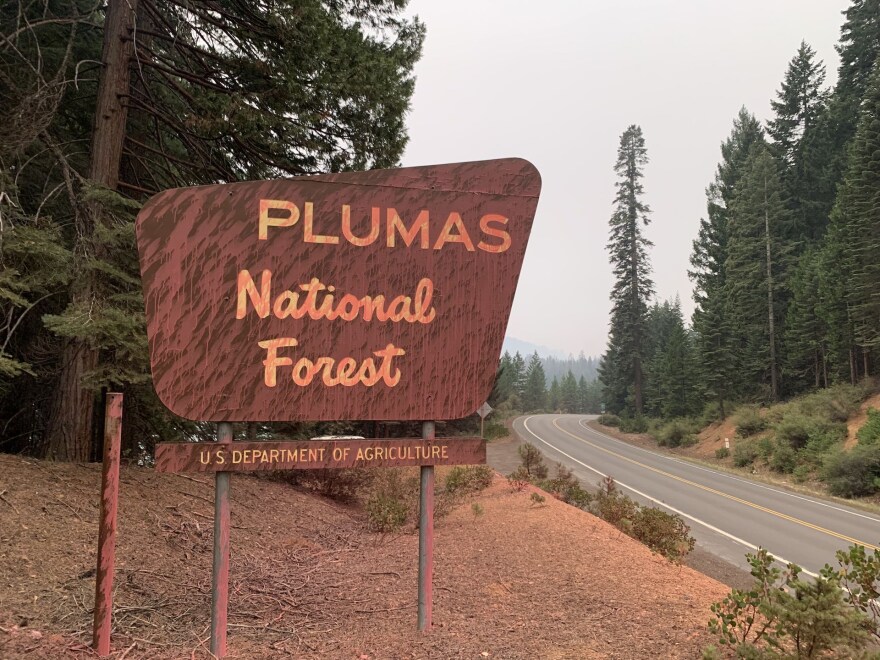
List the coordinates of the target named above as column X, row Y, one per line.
column 386, row 512
column 342, row 485
column 609, row 420
column 795, row 430
column 470, row 479
column 567, row 488
column 855, row 473
column 723, row 452
column 616, row 509
column 835, row 404
column 477, row 510
column 784, row 459
column 633, row 424
column 745, row 452
column 859, row 576
column 869, row 434
column 749, row 422
column 676, row 433
column 801, row 473
column 519, row 479
column 532, row 461
column 664, row 533
column 781, row 610
column 537, row 498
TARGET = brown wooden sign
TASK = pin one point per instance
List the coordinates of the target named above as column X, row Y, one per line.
column 367, row 295
column 316, row 454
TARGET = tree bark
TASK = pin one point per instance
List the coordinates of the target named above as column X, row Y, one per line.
column 69, row 432
column 774, row 387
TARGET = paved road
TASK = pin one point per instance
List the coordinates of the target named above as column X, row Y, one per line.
column 728, row 515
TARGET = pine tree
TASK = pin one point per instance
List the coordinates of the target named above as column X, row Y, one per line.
column 623, row 364
column 535, row 393
column 568, row 394
column 756, row 269
column 187, row 93
column 806, row 328
column 800, row 142
column 855, row 236
column 553, row 396
column 518, row 375
column 583, row 393
column 708, row 264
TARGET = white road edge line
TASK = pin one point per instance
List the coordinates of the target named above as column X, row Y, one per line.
column 709, row 526
column 730, row 476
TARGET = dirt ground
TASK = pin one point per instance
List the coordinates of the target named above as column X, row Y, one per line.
column 518, row 580
column 858, row 420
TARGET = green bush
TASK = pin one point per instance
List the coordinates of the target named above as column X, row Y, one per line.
column 609, row 420
column 532, row 461
column 795, row 430
column 869, row 434
column 799, row 431
column 745, row 452
column 855, row 473
column 801, row 473
column 519, row 479
column 784, row 616
column 633, row 424
column 470, row 479
column 749, row 422
column 784, row 459
column 664, row 533
column 723, row 452
column 676, row 433
column 858, row 573
column 565, row 487
column 386, row 512
column 835, row 404
column 765, row 447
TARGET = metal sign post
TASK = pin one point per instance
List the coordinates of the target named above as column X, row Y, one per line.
column 426, row 536
column 103, row 621
column 220, row 576
column 483, row 411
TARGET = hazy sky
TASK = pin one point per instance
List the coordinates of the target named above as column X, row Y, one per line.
column 557, row 82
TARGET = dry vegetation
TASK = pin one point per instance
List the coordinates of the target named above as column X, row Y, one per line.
column 513, row 579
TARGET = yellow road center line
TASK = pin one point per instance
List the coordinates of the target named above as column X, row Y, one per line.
column 778, row 514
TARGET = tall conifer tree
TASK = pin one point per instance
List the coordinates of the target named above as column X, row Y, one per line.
column 708, row 263
column 755, row 268
column 799, row 142
column 623, row 363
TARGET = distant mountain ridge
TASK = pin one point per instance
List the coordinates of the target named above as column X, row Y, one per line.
column 555, row 362
column 526, row 348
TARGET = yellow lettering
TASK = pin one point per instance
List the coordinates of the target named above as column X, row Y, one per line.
column 267, row 221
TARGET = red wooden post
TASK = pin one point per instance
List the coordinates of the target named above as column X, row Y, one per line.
column 107, row 525
column 426, row 536
column 220, row 577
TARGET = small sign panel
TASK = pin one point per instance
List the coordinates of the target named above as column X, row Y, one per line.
column 317, row 454
column 363, row 295
column 484, row 410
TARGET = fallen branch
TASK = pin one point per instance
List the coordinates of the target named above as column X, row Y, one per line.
column 7, row 501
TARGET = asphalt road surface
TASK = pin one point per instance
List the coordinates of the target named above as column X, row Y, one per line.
column 729, row 515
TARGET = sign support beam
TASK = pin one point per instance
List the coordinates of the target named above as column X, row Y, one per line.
column 103, row 622
column 426, row 536
column 220, row 575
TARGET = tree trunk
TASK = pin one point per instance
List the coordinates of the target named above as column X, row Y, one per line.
column 865, row 362
column 69, row 432
column 774, row 387
column 853, row 376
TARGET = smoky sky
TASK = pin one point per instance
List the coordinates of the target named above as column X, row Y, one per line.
column 557, row 82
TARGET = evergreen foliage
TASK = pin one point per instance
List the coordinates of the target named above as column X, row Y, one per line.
column 623, row 365
column 205, row 93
